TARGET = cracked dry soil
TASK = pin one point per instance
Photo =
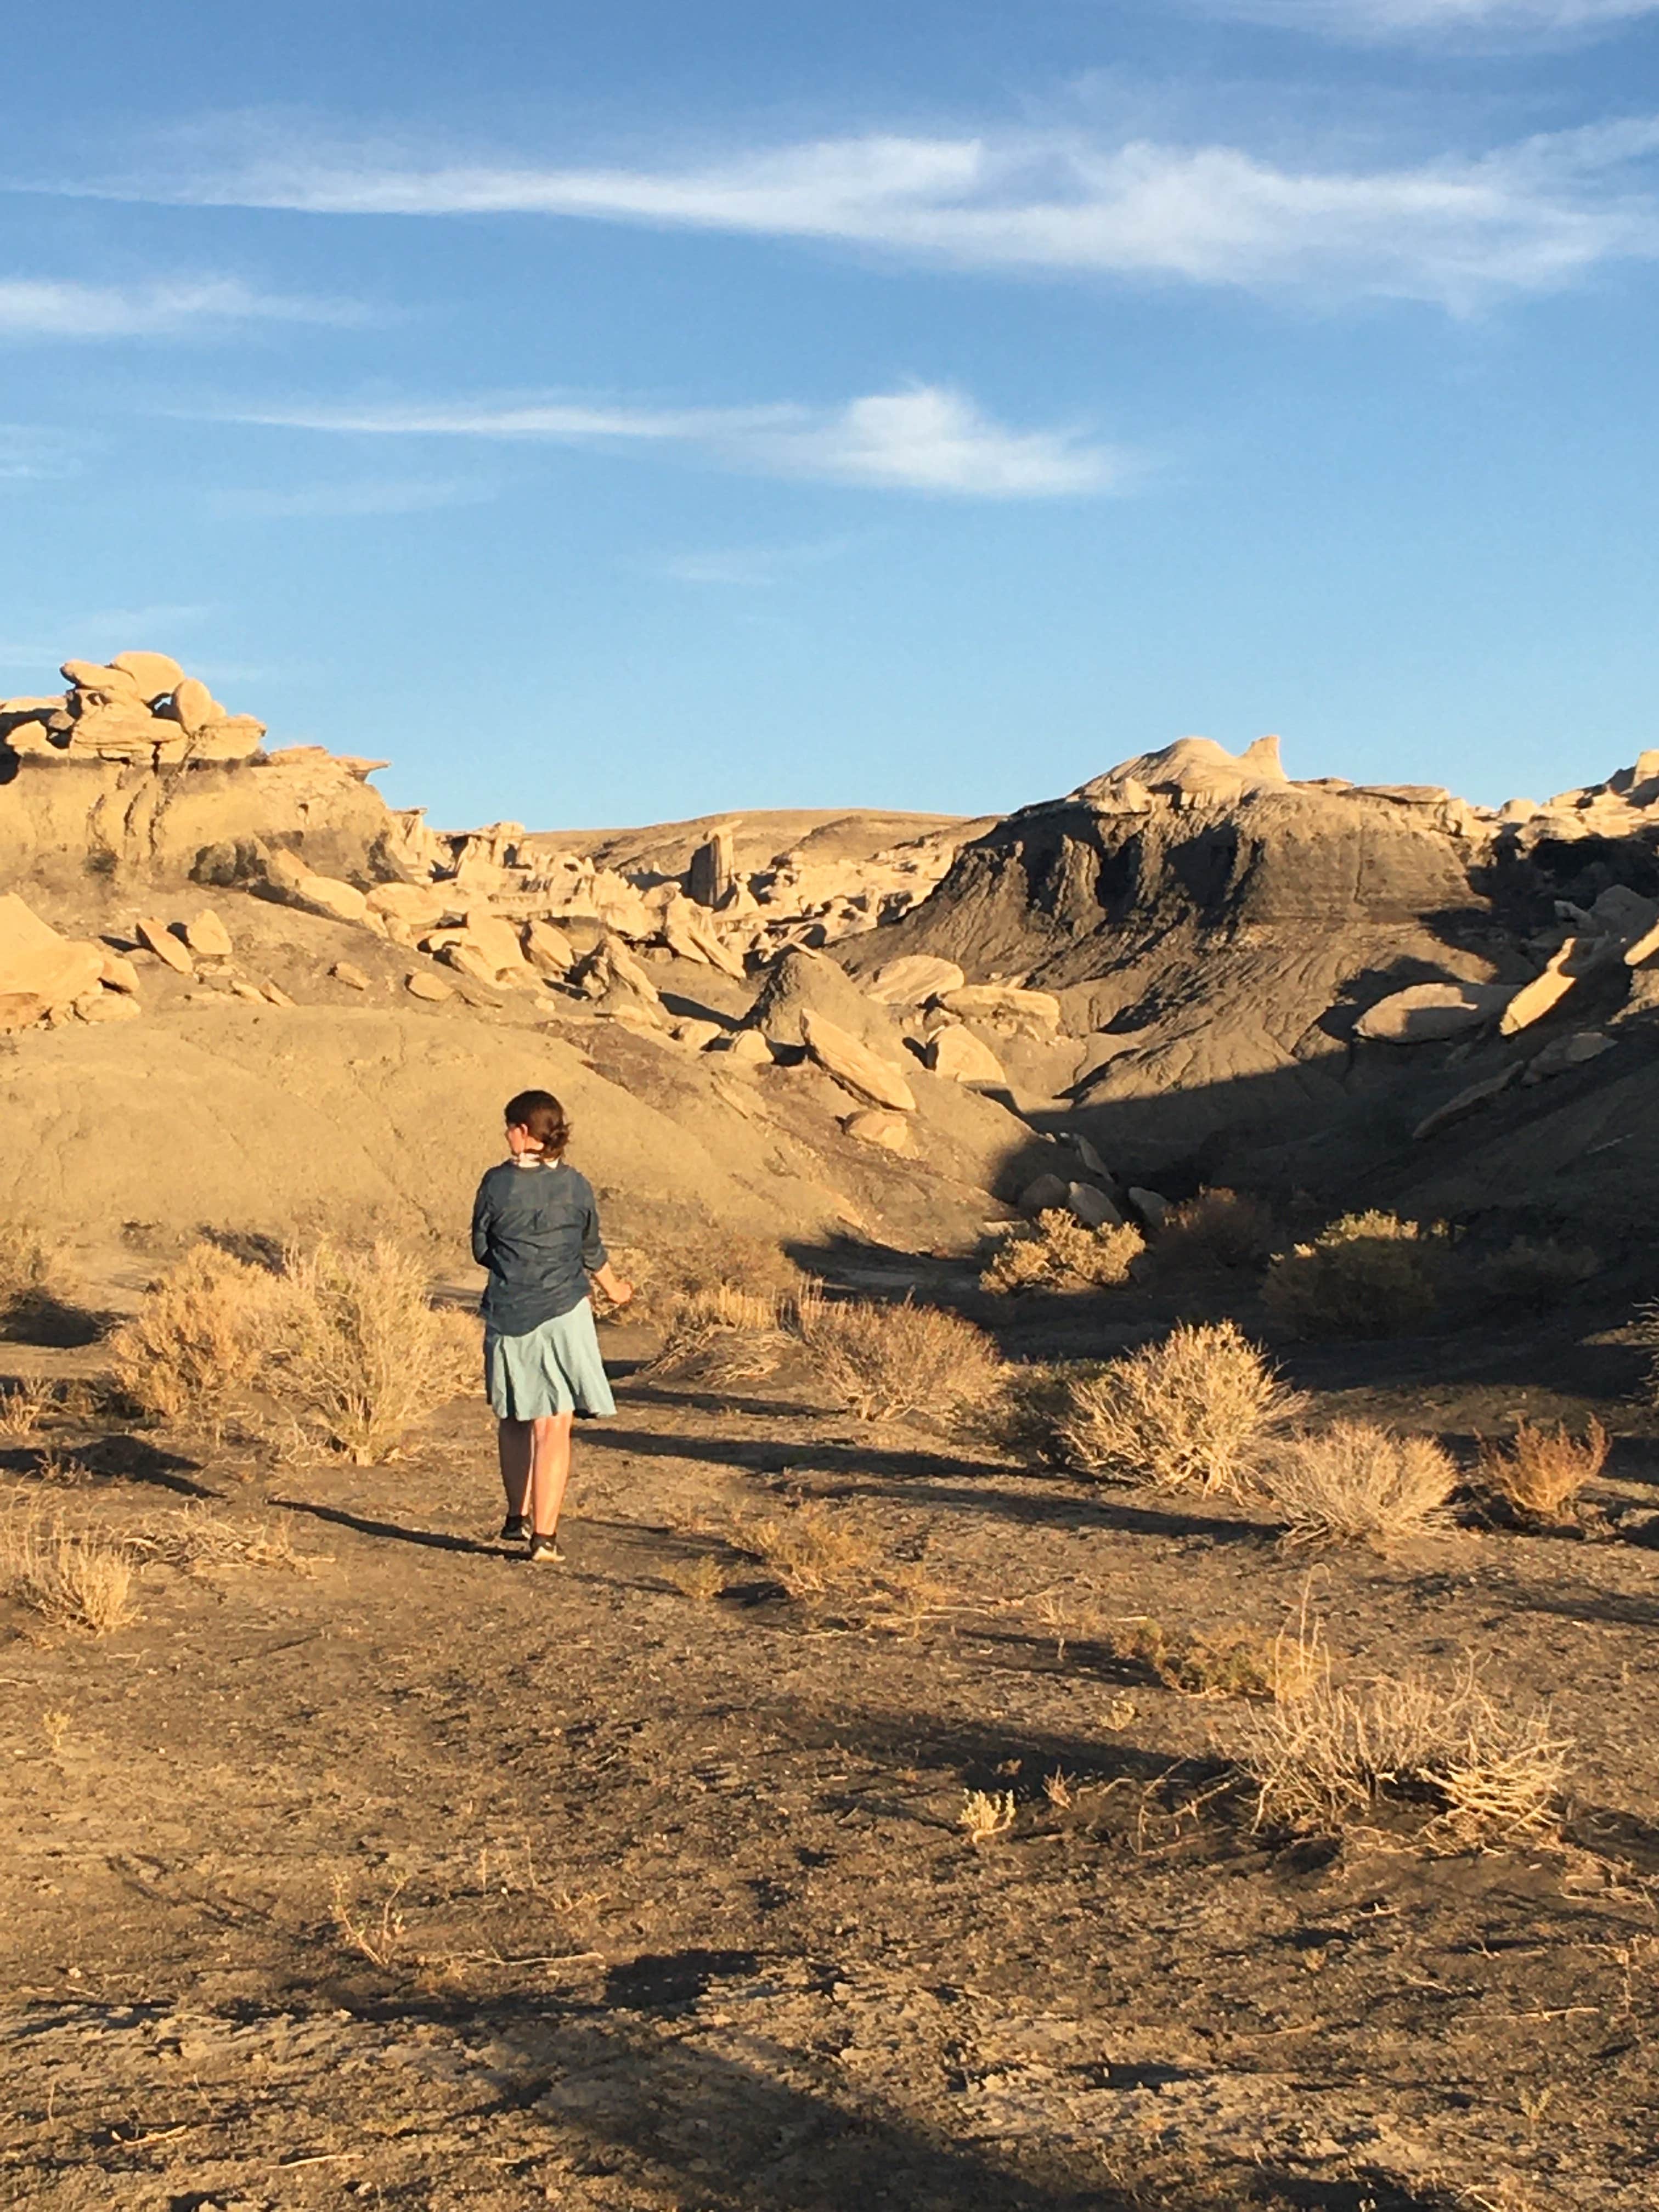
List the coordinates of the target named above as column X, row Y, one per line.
column 420, row 1877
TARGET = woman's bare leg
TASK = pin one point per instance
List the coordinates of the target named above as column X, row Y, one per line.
column 549, row 1471
column 514, row 1447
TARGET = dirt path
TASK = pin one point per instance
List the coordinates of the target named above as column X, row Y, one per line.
column 421, row 1877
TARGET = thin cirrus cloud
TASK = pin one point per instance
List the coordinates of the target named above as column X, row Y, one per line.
column 1458, row 231
column 925, row 439
column 343, row 501
column 1484, row 22
column 51, row 307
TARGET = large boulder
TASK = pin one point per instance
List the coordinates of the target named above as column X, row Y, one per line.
column 1428, row 1013
column 913, row 979
column 854, row 1065
column 802, row 982
column 957, row 1053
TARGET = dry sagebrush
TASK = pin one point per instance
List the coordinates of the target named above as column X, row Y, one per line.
column 1218, row 1228
column 195, row 1348
column 1199, row 1411
column 1357, row 1482
column 719, row 1333
column 360, row 1354
column 342, row 1351
column 1368, row 1274
column 1488, row 1773
column 884, row 1362
column 1057, row 1252
column 1542, row 1470
column 1535, row 1271
column 73, row 1578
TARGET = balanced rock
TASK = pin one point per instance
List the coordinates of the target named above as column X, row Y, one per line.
column 496, row 941
column 854, row 1065
column 208, row 938
column 875, row 1125
column 194, row 705
column 914, row 979
column 156, row 675
column 461, row 954
column 958, row 1053
column 155, row 937
column 1427, row 1013
column 696, row 1036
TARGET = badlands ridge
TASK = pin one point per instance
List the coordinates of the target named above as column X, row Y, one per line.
column 238, row 987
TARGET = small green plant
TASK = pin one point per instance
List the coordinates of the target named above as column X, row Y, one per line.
column 1368, row 1274
column 1198, row 1411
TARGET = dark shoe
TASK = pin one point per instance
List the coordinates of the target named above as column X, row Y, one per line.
column 515, row 1529
column 543, row 1551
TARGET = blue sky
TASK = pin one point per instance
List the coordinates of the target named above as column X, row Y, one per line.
column 614, row 412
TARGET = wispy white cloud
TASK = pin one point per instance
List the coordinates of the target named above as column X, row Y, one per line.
column 750, row 566
column 1486, row 22
column 30, row 454
column 928, row 438
column 1458, row 230
column 50, row 308
column 346, row 501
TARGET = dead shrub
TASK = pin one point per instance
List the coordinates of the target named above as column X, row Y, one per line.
column 73, row 1578
column 1219, row 1228
column 1024, row 1416
column 1220, row 1663
column 1357, row 1482
column 1535, row 1271
column 1541, row 1471
column 706, row 1260
column 721, row 1334
column 23, row 1408
column 1645, row 1330
column 1368, row 1274
column 1057, row 1252
column 1198, row 1410
column 198, row 1541
column 885, row 1362
column 985, row 1813
column 703, row 1578
column 359, row 1354
column 814, row 1551
column 194, row 1349
column 29, row 1268
column 1490, row 1774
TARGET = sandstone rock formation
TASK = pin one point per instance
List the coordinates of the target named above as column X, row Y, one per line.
column 140, row 708
column 854, row 1065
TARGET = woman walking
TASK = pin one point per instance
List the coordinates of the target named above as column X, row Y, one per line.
column 535, row 1228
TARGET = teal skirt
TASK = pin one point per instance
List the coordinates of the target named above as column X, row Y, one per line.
column 554, row 1369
